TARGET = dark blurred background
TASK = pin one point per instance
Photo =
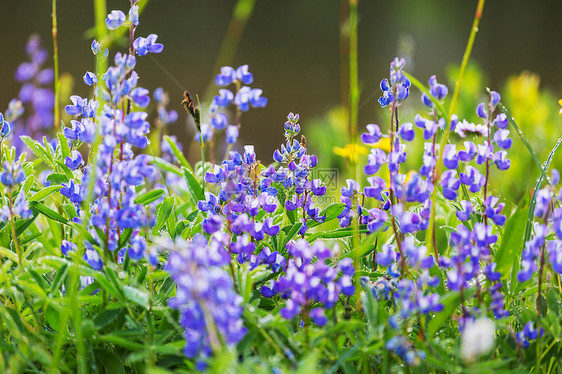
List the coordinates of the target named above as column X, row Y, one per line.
column 293, row 48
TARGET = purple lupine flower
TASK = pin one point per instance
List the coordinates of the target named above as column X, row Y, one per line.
column 376, row 159
column 92, row 257
column 398, row 88
column 205, row 294
column 67, row 247
column 140, row 97
column 74, row 161
column 472, row 178
column 226, row 76
column 485, row 152
column 115, row 19
column 501, row 160
column 469, row 151
column 243, row 75
column 450, row 184
column 437, row 90
column 309, row 278
column 90, row 78
column 219, row 121
column 502, row 139
column 491, row 273
column 501, row 121
column 12, row 174
column 377, row 186
column 450, row 156
column 387, row 255
column 143, row 46
column 481, row 111
column 406, row 131
column 554, row 250
column 231, row 134
column 542, row 202
column 467, row 209
column 134, row 15
column 246, row 97
column 372, row 135
column 493, row 209
column 224, row 98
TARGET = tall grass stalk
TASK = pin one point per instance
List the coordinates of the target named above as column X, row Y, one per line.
column 56, row 64
column 353, row 113
column 240, row 15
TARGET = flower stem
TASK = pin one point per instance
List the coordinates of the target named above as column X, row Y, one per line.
column 13, row 224
column 56, row 64
column 353, row 80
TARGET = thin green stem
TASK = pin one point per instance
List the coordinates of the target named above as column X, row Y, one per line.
column 353, row 80
column 466, row 56
column 13, row 224
column 241, row 14
column 56, row 64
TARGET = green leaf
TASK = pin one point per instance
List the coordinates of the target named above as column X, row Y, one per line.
column 106, row 316
column 166, row 166
column 136, row 296
column 331, row 212
column 179, row 155
column 57, row 178
column 47, row 212
column 366, row 247
column 59, row 278
column 37, row 149
column 450, row 301
column 44, row 193
column 22, row 225
column 31, row 237
column 70, row 210
column 121, row 341
column 510, row 248
column 291, row 232
column 166, row 208
column 337, row 233
column 149, row 197
column 63, row 145
column 195, row 190
column 65, row 169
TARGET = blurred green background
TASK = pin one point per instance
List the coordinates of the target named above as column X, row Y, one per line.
column 296, row 50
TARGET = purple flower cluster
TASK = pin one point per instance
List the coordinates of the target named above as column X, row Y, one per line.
column 115, row 174
column 244, row 193
column 311, row 283
column 36, row 96
column 210, row 309
column 530, row 332
column 11, row 176
column 539, row 249
column 243, row 98
column 403, row 348
column 398, row 87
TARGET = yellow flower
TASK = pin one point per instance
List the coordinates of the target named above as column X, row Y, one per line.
column 560, row 102
column 383, row 143
column 350, row 151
